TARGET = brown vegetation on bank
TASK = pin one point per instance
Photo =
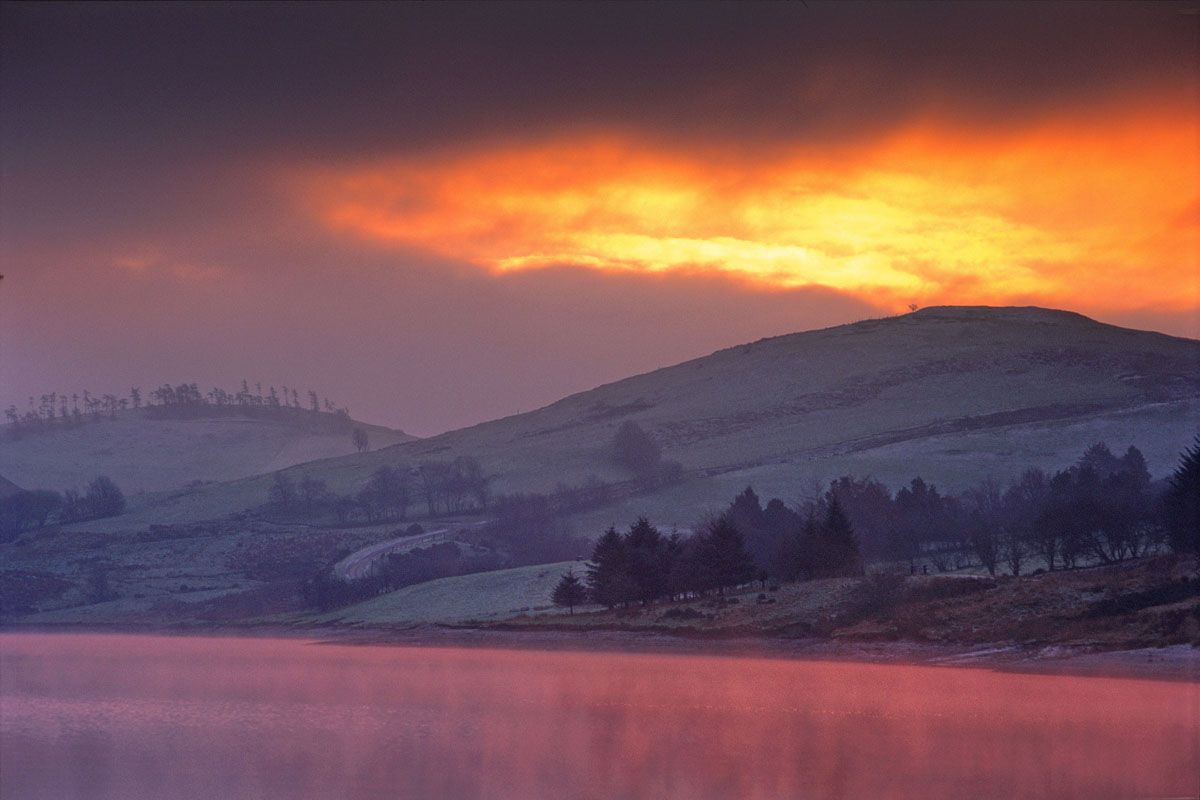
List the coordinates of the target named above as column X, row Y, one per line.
column 1150, row 602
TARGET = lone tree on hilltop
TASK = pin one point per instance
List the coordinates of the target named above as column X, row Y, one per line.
column 360, row 439
column 569, row 592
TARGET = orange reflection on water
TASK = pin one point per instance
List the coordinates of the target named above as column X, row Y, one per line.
column 120, row 716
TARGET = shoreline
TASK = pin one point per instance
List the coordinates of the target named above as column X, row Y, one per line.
column 1175, row 663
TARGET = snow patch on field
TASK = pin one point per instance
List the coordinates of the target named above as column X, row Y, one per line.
column 483, row 596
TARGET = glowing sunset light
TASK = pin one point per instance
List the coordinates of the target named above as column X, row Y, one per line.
column 209, row 184
column 1083, row 208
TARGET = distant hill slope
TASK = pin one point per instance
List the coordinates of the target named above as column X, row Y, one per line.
column 7, row 487
column 145, row 453
column 952, row 393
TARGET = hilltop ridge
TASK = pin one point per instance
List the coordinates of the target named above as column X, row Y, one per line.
column 954, row 394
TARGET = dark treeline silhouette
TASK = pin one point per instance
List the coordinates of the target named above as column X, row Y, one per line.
column 452, row 487
column 444, row 487
column 431, row 489
column 1181, row 506
column 528, row 529
column 741, row 545
column 815, row 540
column 1102, row 509
column 37, row 508
column 185, row 400
column 643, row 565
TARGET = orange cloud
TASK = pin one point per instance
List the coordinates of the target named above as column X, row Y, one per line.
column 1083, row 212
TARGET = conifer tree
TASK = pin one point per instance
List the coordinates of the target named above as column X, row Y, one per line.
column 646, row 553
column 569, row 592
column 607, row 572
column 724, row 561
column 1183, row 502
column 840, row 552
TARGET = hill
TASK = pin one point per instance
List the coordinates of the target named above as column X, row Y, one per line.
column 145, row 453
column 950, row 393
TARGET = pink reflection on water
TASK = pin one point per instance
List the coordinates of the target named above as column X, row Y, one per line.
column 100, row 716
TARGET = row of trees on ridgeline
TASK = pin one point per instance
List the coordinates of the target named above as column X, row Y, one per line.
column 31, row 509
column 58, row 409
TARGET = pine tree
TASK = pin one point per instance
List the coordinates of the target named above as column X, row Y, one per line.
column 746, row 509
column 839, row 551
column 1183, row 502
column 569, row 592
column 607, row 572
column 724, row 561
column 646, row 553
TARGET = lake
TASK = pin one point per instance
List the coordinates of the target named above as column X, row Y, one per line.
column 120, row 716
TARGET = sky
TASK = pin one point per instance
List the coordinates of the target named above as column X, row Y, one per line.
column 438, row 214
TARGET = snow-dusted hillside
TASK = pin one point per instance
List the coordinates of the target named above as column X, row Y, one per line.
column 146, row 454
column 953, row 394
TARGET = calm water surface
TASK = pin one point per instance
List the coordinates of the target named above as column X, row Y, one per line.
column 99, row 716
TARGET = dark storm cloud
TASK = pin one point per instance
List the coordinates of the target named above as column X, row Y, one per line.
column 134, row 81
column 117, row 115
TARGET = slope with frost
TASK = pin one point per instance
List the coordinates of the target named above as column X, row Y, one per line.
column 147, row 454
column 952, row 393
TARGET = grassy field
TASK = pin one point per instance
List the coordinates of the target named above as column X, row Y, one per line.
column 480, row 597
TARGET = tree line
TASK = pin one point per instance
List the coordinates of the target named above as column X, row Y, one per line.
column 1101, row 509
column 833, row 532
column 644, row 565
column 444, row 487
column 59, row 409
column 32, row 509
column 432, row 488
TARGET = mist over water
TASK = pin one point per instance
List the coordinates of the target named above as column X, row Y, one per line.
column 115, row 716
